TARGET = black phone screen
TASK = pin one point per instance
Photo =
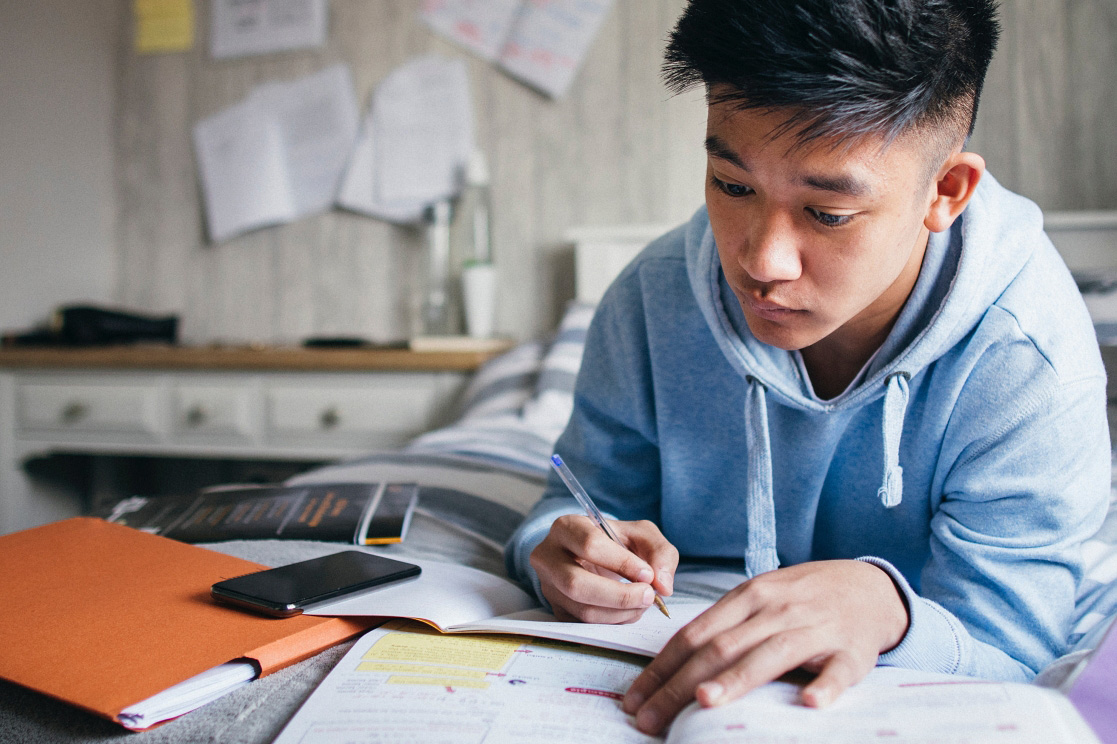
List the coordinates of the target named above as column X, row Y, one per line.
column 286, row 590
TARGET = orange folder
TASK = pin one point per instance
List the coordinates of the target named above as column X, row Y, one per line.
column 104, row 616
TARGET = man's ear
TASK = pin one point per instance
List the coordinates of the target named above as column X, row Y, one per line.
column 954, row 185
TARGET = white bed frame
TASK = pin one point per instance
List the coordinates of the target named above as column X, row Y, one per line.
column 1086, row 240
column 600, row 253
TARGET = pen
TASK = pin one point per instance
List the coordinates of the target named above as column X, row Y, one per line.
column 592, row 510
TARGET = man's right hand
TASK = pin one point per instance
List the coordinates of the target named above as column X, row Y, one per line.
column 579, row 567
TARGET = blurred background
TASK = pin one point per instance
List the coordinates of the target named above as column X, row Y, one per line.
column 101, row 202
column 99, row 196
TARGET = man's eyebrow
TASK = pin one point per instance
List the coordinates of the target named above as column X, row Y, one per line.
column 844, row 185
column 716, row 148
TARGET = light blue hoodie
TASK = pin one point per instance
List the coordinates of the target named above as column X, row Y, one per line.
column 969, row 459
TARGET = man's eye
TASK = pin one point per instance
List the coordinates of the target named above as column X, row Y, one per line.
column 732, row 189
column 830, row 220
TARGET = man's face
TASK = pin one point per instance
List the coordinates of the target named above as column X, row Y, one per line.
column 816, row 242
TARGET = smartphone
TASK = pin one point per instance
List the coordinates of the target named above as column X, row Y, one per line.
column 288, row 590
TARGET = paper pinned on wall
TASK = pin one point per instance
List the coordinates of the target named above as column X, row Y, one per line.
column 163, row 25
column 318, row 118
column 358, row 191
column 549, row 40
column 481, row 26
column 540, row 42
column 278, row 155
column 424, row 129
column 243, row 173
column 414, row 143
column 244, row 27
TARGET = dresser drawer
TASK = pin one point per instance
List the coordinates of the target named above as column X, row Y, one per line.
column 199, row 410
column 109, row 408
column 387, row 412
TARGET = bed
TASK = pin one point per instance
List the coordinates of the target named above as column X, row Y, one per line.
column 478, row 477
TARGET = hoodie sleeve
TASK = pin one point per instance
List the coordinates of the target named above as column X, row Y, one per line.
column 1027, row 483
column 610, row 442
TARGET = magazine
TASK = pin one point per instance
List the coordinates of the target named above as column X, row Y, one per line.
column 360, row 513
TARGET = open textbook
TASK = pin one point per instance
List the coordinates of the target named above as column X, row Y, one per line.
column 459, row 599
column 402, row 683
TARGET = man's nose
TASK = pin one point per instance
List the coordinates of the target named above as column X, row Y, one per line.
column 771, row 250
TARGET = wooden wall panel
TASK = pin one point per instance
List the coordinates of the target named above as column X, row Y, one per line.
column 598, row 156
column 615, row 149
column 1048, row 120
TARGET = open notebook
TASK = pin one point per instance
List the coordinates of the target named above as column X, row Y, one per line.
column 459, row 599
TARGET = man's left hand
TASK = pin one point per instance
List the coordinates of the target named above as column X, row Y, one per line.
column 830, row 617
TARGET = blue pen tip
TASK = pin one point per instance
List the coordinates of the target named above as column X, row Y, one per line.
column 556, row 460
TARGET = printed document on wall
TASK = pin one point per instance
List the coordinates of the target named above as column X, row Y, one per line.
column 318, row 118
column 481, row 26
column 279, row 154
column 549, row 40
column 243, row 171
column 414, row 143
column 539, row 42
column 243, row 27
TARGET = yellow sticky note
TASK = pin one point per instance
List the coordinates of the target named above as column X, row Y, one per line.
column 490, row 654
column 163, row 25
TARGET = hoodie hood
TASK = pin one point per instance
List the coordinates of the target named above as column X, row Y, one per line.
column 964, row 271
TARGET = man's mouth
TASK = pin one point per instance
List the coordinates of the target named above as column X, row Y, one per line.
column 767, row 308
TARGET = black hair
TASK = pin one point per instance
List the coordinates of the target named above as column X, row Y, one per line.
column 842, row 69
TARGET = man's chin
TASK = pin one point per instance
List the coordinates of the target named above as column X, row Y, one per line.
column 782, row 335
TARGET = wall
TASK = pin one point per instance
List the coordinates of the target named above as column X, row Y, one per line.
column 613, row 150
column 1048, row 119
column 616, row 149
column 57, row 185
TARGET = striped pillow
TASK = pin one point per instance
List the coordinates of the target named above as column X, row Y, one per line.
column 550, row 407
column 516, row 405
column 503, row 384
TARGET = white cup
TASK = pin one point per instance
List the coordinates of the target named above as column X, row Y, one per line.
column 479, row 298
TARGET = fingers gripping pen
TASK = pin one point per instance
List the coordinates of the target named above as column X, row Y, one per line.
column 592, row 511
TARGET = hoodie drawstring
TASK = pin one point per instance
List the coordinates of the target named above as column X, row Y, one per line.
column 760, row 508
column 895, row 405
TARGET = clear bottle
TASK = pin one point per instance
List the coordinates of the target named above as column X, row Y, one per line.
column 472, row 247
column 436, row 319
column 472, row 213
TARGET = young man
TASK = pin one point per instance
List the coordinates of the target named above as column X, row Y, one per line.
column 861, row 374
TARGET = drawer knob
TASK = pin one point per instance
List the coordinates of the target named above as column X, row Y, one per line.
column 196, row 415
column 74, row 412
column 330, row 418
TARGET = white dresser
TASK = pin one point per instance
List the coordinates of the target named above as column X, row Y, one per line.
column 214, row 403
